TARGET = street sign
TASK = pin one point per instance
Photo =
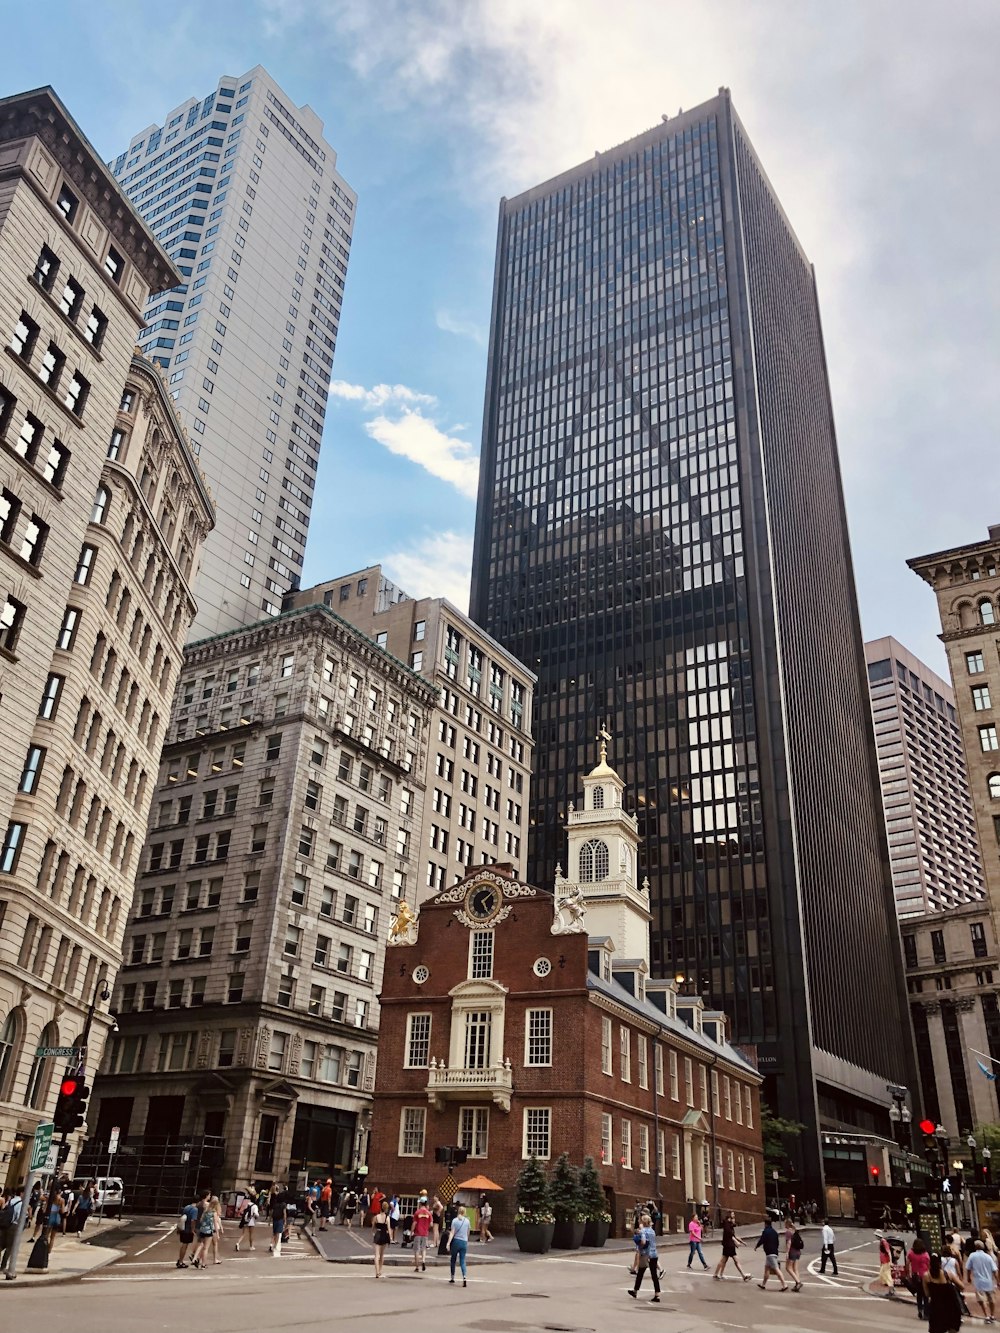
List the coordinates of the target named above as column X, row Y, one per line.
column 448, row 1188
column 113, row 1138
column 52, row 1161
column 40, row 1147
column 60, row 1052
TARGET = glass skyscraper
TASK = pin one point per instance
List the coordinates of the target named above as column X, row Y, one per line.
column 661, row 536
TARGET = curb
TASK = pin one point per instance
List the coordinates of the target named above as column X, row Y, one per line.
column 31, row 1279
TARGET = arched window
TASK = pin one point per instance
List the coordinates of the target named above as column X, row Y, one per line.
column 8, row 1048
column 101, row 500
column 40, row 1077
column 994, row 781
column 598, row 798
column 594, row 861
column 987, row 616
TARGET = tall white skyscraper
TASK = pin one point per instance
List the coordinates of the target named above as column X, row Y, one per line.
column 242, row 191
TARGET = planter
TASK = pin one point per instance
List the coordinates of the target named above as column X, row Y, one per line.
column 568, row 1235
column 534, row 1237
column 595, row 1232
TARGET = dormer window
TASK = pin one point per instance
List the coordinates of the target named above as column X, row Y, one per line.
column 606, row 966
column 598, row 798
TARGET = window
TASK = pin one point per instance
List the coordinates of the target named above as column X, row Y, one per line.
column 54, row 468
column 748, row 1119
column 12, row 613
column 644, row 1148
column 95, row 328
column 11, row 848
column 627, row 1144
column 85, row 565
column 727, row 1096
column 67, row 203
column 978, row 938
column 276, row 1053
column 606, row 1137
column 419, row 630
column 31, row 772
column 77, row 394
column 411, row 1131
column 53, row 686
column 25, row 335
column 33, row 542
column 45, row 269
column 987, row 616
column 606, row 1067
column 688, row 1081
column 658, row 1068
column 625, row 1053
column 703, row 1086
column 594, row 861
column 537, row 1132
column 114, row 264
column 481, row 954
column 675, row 1156
column 293, row 941
column 988, row 738
column 538, row 1037
column 10, row 508
column 100, row 506
column 67, row 630
column 974, row 663
column 418, row 1041
column 474, row 1130
column 642, row 1056
column 71, row 299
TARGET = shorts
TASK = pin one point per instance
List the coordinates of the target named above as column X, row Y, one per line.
column 324, row 1210
column 794, row 1256
column 983, row 1286
column 729, row 1251
column 278, row 1226
column 186, row 1237
column 771, row 1262
column 419, row 1244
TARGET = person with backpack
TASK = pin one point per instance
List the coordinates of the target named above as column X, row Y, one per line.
column 186, row 1228
column 646, row 1249
column 381, row 1236
column 364, row 1207
column 279, row 1218
column 350, row 1208
column 205, row 1229
column 792, row 1256
column 10, row 1216
column 249, row 1214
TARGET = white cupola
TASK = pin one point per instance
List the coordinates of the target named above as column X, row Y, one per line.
column 602, row 861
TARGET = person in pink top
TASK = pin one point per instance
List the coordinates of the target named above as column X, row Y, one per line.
column 694, row 1242
column 918, row 1263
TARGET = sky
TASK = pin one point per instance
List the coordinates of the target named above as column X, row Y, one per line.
column 876, row 121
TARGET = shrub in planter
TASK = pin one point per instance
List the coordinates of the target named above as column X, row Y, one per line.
column 567, row 1204
column 533, row 1223
column 595, row 1207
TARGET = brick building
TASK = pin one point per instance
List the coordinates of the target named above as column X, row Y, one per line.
column 518, row 1021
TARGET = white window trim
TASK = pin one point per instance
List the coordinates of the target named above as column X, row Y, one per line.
column 626, row 1144
column 537, row 1064
column 625, row 1052
column 524, row 1133
column 402, row 1129
column 409, row 1032
column 476, row 1110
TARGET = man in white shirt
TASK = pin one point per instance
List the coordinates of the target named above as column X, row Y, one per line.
column 827, row 1241
column 982, row 1268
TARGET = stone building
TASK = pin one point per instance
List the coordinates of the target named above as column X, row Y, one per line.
column 953, row 977
column 102, row 514
column 518, row 1022
column 284, row 835
column 481, row 746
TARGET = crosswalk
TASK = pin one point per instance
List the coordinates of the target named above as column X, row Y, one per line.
column 854, row 1269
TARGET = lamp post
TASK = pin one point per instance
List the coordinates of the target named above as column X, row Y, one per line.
column 970, row 1143
column 987, row 1179
column 900, row 1116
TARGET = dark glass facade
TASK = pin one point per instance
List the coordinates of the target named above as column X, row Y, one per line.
column 661, row 537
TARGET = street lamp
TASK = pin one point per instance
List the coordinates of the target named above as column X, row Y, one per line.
column 900, row 1116
column 986, row 1166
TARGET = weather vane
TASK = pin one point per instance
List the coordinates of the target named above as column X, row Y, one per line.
column 604, row 736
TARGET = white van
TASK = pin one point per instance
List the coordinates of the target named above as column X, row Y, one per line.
column 110, row 1194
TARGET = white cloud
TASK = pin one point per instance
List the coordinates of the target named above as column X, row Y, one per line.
column 462, row 328
column 438, row 565
column 380, row 395
column 416, row 437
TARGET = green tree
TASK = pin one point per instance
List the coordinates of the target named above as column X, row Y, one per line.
column 774, row 1131
column 564, row 1190
column 595, row 1204
column 533, row 1202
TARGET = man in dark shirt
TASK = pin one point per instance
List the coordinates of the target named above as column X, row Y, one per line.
column 279, row 1217
column 770, row 1243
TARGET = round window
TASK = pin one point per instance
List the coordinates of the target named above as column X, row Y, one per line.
column 420, row 974
column 542, row 967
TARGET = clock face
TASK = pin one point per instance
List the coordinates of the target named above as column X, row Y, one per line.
column 482, row 903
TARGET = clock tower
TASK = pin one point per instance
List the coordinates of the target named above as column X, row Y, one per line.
column 603, row 842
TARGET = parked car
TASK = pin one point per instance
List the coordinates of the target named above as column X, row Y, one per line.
column 110, row 1194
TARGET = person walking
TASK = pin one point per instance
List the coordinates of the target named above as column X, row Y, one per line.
column 10, row 1218
column 204, row 1231
column 279, row 1218
column 216, row 1208
column 884, row 1261
column 918, row 1261
column 648, row 1258
column 989, row 1241
column 458, row 1243
column 485, row 1218
column 381, row 1235
column 325, row 1204
column 248, row 1220
column 730, row 1243
column 770, row 1243
column 437, row 1213
column 85, row 1202
column 421, row 1231
column 792, row 1257
column 186, row 1228
column 828, row 1247
column 942, row 1291
column 694, row 1240
column 364, row 1207
column 378, row 1198
column 982, row 1269
column 350, row 1208
column 394, row 1215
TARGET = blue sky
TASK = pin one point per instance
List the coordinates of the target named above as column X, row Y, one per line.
column 875, row 121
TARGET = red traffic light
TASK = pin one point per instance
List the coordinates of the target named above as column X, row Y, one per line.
column 875, row 1173
column 927, row 1126
column 68, row 1087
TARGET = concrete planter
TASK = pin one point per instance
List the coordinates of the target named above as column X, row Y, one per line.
column 534, row 1237
column 595, row 1232
column 568, row 1235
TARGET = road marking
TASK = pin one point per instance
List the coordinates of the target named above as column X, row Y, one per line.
column 165, row 1235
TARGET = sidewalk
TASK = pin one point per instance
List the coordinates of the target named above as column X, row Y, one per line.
column 68, row 1260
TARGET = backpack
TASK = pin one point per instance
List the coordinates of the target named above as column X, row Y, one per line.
column 796, row 1242
column 7, row 1216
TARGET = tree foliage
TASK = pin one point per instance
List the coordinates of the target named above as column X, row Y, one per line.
column 564, row 1190
column 533, row 1202
column 774, row 1131
column 592, row 1197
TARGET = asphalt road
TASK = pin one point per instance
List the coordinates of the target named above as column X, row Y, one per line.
column 566, row 1292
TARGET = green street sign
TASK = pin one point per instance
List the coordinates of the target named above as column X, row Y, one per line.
column 40, row 1147
column 50, row 1052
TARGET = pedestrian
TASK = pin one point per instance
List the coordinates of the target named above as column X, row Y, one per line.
column 730, row 1243
column 884, row 1261
column 485, row 1218
column 85, row 1202
column 186, row 1228
column 421, row 1231
column 982, row 1269
column 350, row 1208
column 394, row 1215
column 364, row 1206
column 989, row 1241
column 647, row 1259
column 694, row 1240
column 216, row 1208
column 770, row 1243
column 248, row 1220
column 56, row 1219
column 381, row 1235
column 376, row 1203
column 918, row 1261
column 943, row 1298
column 458, row 1243
column 10, row 1217
column 204, row 1231
column 437, row 1213
column 279, row 1217
column 792, row 1256
column 340, row 1206
column 828, row 1251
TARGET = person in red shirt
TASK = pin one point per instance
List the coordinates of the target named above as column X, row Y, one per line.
column 377, row 1200
column 422, row 1219
column 325, row 1203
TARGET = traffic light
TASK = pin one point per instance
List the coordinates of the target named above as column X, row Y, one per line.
column 875, row 1175
column 71, row 1105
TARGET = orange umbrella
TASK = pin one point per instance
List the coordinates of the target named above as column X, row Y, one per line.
column 480, row 1183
